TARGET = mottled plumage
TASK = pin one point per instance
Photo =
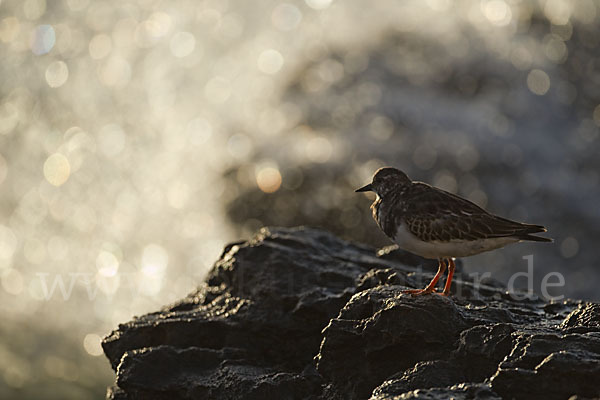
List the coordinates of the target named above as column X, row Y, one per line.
column 434, row 223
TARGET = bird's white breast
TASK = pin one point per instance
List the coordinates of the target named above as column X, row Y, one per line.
column 455, row 248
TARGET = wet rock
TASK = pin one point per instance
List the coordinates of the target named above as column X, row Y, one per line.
column 545, row 365
column 301, row 314
column 458, row 392
column 116, row 393
column 424, row 375
column 196, row 373
column 257, row 319
column 482, row 348
column 392, row 331
column 585, row 317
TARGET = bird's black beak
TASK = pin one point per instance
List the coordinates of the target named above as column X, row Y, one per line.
column 366, row 188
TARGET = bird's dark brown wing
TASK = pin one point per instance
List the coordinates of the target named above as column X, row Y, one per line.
column 433, row 214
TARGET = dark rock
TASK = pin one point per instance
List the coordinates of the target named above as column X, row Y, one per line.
column 392, row 331
column 196, row 373
column 424, row 375
column 482, row 348
column 462, row 391
column 302, row 314
column 585, row 317
column 116, row 393
column 266, row 301
column 545, row 365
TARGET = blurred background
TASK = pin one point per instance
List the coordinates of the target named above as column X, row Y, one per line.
column 138, row 137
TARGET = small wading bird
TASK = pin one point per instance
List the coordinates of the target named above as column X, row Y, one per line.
column 433, row 223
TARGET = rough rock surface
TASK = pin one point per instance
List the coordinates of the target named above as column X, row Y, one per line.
column 302, row 314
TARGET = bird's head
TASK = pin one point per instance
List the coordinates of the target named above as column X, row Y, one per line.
column 386, row 180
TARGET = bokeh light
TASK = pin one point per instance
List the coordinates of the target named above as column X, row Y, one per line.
column 497, row 12
column 569, row 247
column 286, row 17
column 270, row 61
column 154, row 260
column 268, row 179
column 107, row 263
column 43, row 39
column 319, row 4
column 217, row 90
column 57, row 74
column 12, row 281
column 91, row 344
column 182, row 44
column 100, row 46
column 57, row 169
column 538, row 82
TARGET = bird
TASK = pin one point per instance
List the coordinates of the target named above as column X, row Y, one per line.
column 436, row 224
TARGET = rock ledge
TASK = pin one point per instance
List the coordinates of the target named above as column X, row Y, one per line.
column 301, row 314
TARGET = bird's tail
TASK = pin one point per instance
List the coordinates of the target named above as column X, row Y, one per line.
column 535, row 238
column 529, row 229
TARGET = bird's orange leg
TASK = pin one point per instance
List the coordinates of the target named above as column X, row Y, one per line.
column 431, row 287
column 451, row 268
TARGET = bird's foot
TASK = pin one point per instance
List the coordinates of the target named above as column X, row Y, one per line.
column 420, row 292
